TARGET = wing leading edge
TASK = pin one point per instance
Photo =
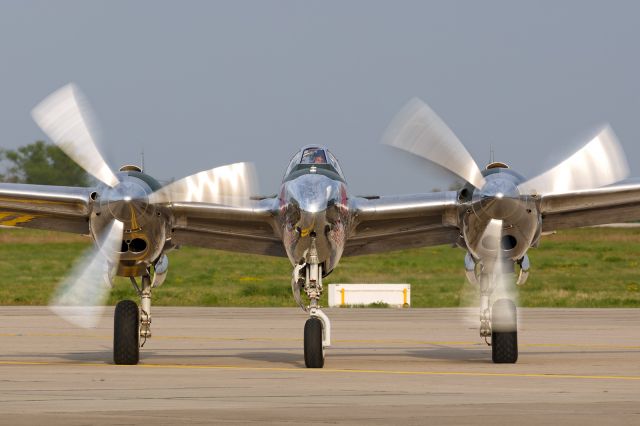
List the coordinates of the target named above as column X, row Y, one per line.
column 250, row 229
column 401, row 222
column 609, row 204
column 58, row 208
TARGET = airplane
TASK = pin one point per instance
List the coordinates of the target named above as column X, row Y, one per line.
column 313, row 220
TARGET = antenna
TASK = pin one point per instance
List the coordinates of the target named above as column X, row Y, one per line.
column 491, row 154
column 142, row 158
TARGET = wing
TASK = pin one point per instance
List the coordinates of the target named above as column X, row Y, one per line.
column 250, row 229
column 609, row 204
column 58, row 208
column 406, row 221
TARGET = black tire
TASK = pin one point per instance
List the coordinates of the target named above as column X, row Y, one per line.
column 504, row 335
column 313, row 352
column 126, row 333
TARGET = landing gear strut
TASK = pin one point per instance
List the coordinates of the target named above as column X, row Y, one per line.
column 132, row 325
column 500, row 321
column 317, row 329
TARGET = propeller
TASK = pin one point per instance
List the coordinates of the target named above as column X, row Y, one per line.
column 497, row 267
column 81, row 296
column 494, row 268
column 492, row 236
column 230, row 184
column 65, row 117
column 418, row 130
column 600, row 162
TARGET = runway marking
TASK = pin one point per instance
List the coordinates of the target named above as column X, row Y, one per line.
column 325, row 370
column 360, row 341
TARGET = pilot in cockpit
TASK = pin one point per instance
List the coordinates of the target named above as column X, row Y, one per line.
column 313, row 156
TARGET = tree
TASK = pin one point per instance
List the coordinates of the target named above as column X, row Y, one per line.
column 42, row 163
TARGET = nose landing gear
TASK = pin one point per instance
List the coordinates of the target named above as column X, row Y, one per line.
column 317, row 329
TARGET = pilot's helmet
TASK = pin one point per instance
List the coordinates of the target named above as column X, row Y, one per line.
column 314, row 156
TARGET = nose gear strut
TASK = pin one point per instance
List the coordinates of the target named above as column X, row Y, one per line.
column 308, row 276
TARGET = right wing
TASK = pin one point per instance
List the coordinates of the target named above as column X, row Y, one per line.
column 609, row 204
column 404, row 221
column 57, row 208
column 250, row 229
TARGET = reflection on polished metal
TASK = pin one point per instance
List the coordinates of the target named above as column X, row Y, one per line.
column 126, row 202
column 160, row 269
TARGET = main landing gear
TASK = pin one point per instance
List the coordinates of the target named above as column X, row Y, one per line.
column 132, row 325
column 499, row 322
column 317, row 329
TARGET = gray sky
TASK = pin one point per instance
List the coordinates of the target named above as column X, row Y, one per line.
column 201, row 84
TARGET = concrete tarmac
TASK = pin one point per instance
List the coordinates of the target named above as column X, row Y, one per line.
column 386, row 366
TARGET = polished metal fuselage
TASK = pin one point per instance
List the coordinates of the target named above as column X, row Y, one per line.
column 314, row 208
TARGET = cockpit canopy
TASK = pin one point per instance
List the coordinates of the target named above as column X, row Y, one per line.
column 314, row 155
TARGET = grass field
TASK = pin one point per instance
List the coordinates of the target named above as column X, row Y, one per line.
column 597, row 267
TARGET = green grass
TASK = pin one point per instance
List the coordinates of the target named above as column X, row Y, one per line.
column 596, row 267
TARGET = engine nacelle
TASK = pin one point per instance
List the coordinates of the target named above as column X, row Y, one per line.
column 499, row 201
column 145, row 225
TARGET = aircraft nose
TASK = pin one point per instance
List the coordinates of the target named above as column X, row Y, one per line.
column 312, row 194
column 308, row 222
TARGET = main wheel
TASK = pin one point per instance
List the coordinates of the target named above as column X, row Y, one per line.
column 126, row 333
column 504, row 334
column 313, row 351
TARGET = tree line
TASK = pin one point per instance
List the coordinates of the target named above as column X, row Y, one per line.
column 41, row 163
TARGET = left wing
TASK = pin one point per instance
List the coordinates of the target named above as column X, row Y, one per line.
column 58, row 208
column 609, row 204
column 404, row 221
column 250, row 229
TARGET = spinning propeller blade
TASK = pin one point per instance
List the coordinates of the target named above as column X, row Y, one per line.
column 600, row 162
column 65, row 117
column 501, row 268
column 231, row 184
column 418, row 130
column 81, row 296
column 492, row 235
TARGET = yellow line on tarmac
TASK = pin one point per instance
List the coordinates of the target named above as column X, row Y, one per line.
column 325, row 370
column 358, row 341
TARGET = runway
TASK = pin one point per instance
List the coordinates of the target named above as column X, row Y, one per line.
column 386, row 366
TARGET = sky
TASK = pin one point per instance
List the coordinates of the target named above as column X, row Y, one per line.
column 196, row 85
